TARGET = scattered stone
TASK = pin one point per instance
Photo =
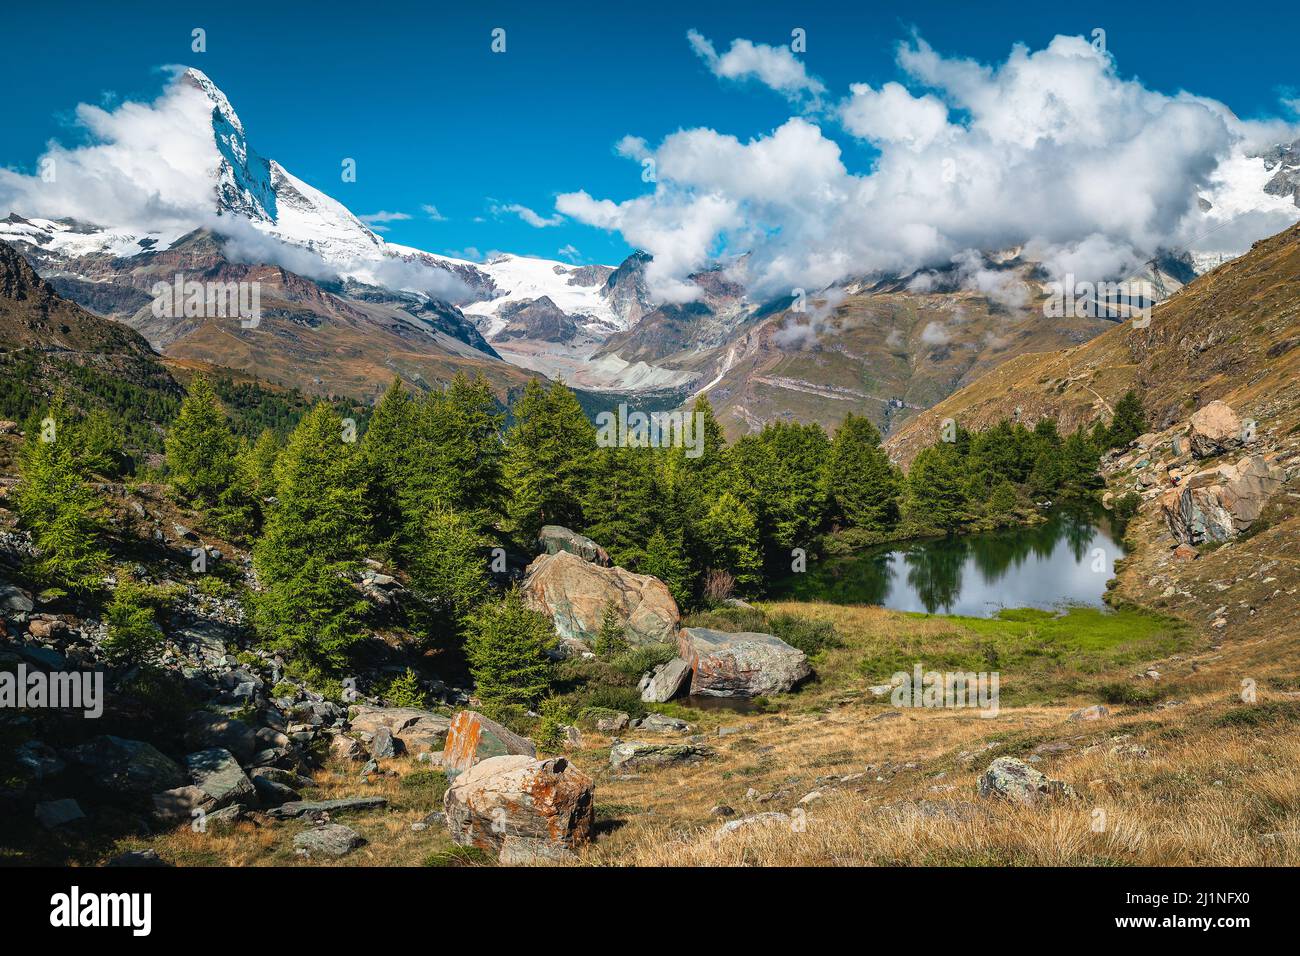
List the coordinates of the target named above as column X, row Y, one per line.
column 217, row 773
column 126, row 768
column 613, row 723
column 744, row 664
column 523, row 809
column 56, row 813
column 416, row 731
column 637, row 755
column 1095, row 712
column 205, row 730
column 343, row 747
column 1010, row 779
column 331, row 839
column 1219, row 504
column 755, row 820
column 301, row 808
column 660, row 724
column 722, row 810
column 665, row 682
column 382, row 746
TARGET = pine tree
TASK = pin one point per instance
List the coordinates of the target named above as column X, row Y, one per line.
column 611, row 639
column 1079, row 473
column 1128, row 423
column 201, row 448
column 862, row 486
column 312, row 544
column 448, row 569
column 133, row 633
column 620, row 502
column 665, row 558
column 730, row 535
column 54, row 502
column 506, row 646
column 466, row 433
column 935, row 490
column 548, row 458
column 388, row 452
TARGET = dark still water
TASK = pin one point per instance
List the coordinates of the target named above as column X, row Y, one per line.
column 1067, row 560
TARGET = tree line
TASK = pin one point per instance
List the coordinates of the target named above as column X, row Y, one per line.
column 437, row 485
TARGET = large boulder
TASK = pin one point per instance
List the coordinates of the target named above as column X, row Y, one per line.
column 1215, row 428
column 554, row 538
column 418, row 731
column 126, row 768
column 523, row 809
column 1010, row 779
column 217, row 773
column 744, row 664
column 1221, row 503
column 574, row 593
column 665, row 682
column 474, row 738
column 205, row 730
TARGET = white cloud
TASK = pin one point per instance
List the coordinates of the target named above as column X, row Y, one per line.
column 935, row 333
column 432, row 212
column 528, row 215
column 773, row 66
column 383, row 216
column 1051, row 150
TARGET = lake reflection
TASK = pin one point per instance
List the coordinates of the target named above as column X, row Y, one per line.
column 1066, row 560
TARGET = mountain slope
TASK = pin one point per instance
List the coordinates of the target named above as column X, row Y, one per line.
column 1233, row 334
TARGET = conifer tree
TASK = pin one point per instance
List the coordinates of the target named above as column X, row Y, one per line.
column 1128, row 423
column 311, row 547
column 548, row 458
column 935, row 490
column 862, row 486
column 387, row 452
column 729, row 534
column 665, row 558
column 201, row 448
column 449, row 570
column 1079, row 477
column 506, row 646
column 54, row 502
column 466, row 434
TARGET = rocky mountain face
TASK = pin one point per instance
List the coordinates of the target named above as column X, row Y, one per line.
column 1232, row 335
column 48, row 343
column 1283, row 161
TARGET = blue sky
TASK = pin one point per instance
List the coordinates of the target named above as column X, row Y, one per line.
column 413, row 92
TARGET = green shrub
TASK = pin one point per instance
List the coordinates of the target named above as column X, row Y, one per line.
column 803, row 633
column 556, row 715
column 611, row 639
column 404, row 691
column 1135, row 695
column 635, row 661
column 134, row 636
column 458, row 856
column 428, row 783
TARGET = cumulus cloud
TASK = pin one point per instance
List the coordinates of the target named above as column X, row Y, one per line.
column 935, row 333
column 774, row 66
column 1050, row 150
column 149, row 166
column 802, row 333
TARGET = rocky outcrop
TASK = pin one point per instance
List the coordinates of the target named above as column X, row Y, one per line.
column 318, row 808
column 217, row 773
column 1221, row 503
column 523, row 809
column 1214, row 429
column 554, row 538
column 1010, row 779
column 474, row 738
column 743, row 664
column 415, row 731
column 573, row 593
column 665, row 682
